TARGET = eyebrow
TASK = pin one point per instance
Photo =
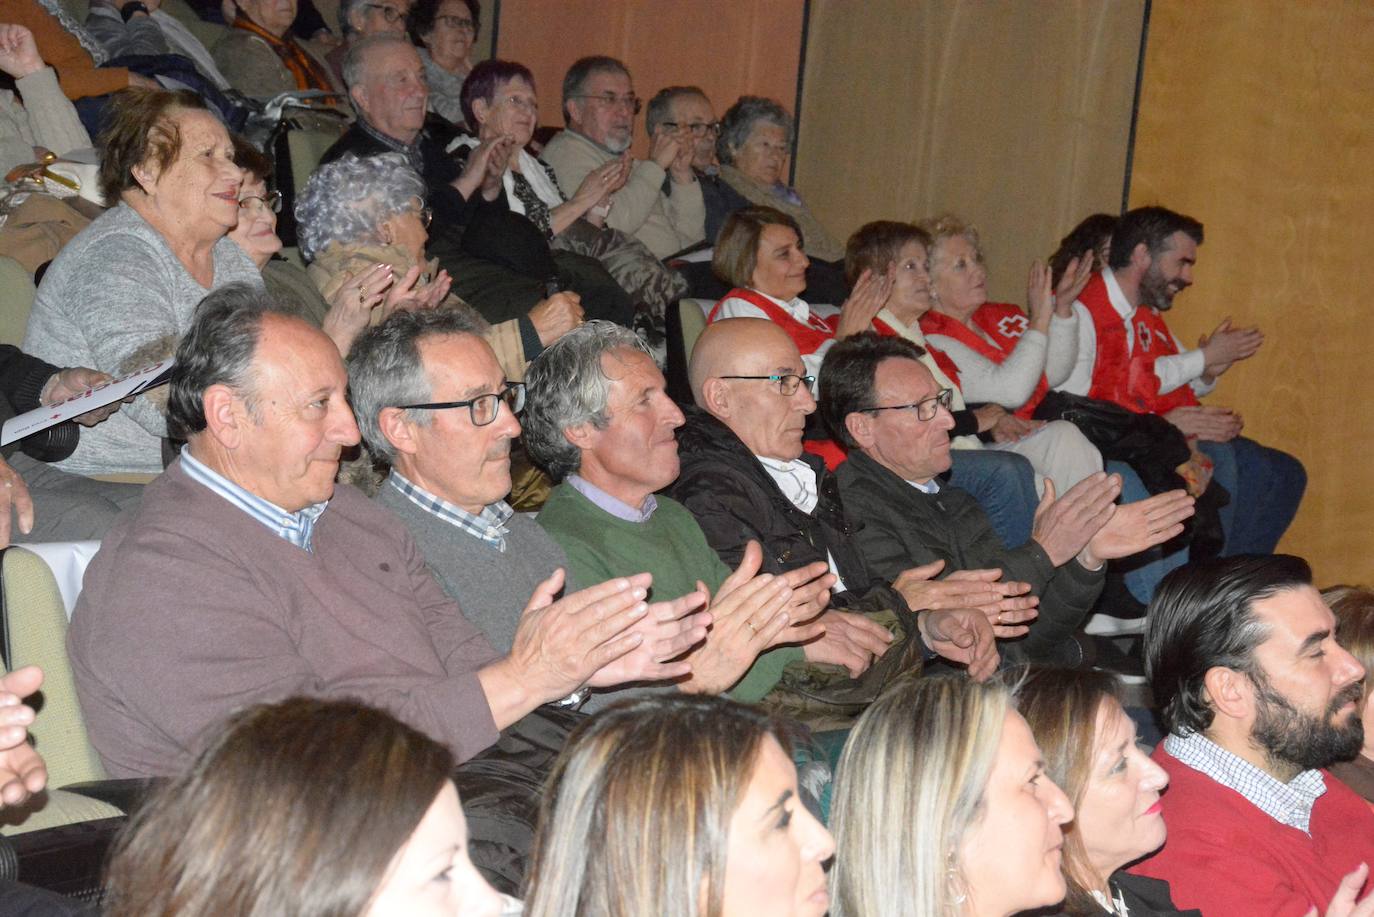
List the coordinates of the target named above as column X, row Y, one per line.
column 1313, row 640
column 481, row 388
column 776, row 806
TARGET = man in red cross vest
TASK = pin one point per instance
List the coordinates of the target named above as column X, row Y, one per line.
column 1128, row 355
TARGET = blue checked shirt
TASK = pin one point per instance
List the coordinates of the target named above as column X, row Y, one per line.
column 1287, row 803
column 297, row 528
column 489, row 527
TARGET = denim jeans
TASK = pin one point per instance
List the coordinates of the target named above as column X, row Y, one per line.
column 1266, row 486
column 1003, row 484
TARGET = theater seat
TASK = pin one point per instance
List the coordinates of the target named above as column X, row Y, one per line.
column 16, row 300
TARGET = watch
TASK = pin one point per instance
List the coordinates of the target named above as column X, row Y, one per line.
column 129, row 9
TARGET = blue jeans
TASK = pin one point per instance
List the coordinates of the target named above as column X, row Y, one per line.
column 1148, row 567
column 1266, row 486
column 1003, row 484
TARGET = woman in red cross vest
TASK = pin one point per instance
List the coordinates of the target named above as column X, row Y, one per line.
column 1004, row 355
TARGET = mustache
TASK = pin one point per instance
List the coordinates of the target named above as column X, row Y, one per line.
column 1350, row 693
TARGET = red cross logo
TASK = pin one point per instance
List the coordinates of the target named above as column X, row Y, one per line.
column 1013, row 326
column 1142, row 334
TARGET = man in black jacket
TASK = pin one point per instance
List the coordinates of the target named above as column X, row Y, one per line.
column 882, row 403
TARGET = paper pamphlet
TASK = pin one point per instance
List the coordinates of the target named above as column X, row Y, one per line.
column 41, row 418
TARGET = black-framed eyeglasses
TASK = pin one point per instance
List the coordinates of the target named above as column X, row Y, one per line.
column 611, row 100
column 484, row 408
column 925, row 409
column 426, row 216
column 389, row 13
column 700, row 129
column 787, row 384
column 271, row 201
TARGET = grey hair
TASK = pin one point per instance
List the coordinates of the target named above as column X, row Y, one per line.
column 385, row 369
column 565, row 387
column 353, row 60
column 738, row 123
column 657, row 111
column 218, row 349
column 345, row 201
column 583, row 69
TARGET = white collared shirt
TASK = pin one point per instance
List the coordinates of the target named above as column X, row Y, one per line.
column 797, row 481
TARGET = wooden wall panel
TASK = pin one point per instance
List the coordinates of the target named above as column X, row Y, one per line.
column 1014, row 114
column 727, row 48
column 1255, row 118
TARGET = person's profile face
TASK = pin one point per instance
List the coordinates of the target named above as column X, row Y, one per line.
column 637, row 450
column 779, row 263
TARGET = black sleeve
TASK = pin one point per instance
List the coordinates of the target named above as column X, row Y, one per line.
column 22, row 377
column 965, row 424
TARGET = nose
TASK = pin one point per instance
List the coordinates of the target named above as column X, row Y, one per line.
column 818, row 844
column 1348, row 668
column 943, row 418
column 1057, row 803
column 344, row 429
column 506, row 422
column 672, row 415
column 803, row 400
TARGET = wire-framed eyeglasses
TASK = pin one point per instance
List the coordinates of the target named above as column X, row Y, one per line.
column 787, row 383
column 484, row 408
column 925, row 409
column 270, row 201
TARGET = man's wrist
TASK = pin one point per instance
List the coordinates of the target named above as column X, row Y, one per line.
column 133, row 8
column 46, row 393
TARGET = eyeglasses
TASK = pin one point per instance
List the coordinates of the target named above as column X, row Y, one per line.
column 700, row 129
column 456, row 23
column 426, row 216
column 787, row 384
column 255, row 204
column 611, row 100
column 524, row 103
column 484, row 408
column 389, row 13
column 925, row 409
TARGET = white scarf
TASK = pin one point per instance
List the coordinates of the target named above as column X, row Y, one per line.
column 531, row 168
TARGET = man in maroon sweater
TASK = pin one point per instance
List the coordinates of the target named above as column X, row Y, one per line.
column 1259, row 699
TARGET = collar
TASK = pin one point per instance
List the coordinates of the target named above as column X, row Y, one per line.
column 796, row 479
column 585, row 139
column 929, row 487
column 1287, row 803
column 298, row 528
column 489, row 526
column 796, row 307
column 1120, row 303
column 241, row 21
column 410, row 150
column 613, row 505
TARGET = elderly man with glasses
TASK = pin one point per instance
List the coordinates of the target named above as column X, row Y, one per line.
column 885, row 406
column 599, row 105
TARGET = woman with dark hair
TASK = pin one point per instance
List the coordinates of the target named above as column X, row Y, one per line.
column 307, row 807
column 1091, row 750
column 122, row 291
column 444, row 32
column 677, row 806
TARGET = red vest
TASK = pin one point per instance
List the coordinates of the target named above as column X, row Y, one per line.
column 808, row 337
column 1127, row 376
column 941, row 358
column 1002, row 322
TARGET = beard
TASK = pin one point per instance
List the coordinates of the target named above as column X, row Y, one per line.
column 1291, row 736
column 1154, row 289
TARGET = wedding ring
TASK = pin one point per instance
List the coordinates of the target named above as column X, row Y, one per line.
column 747, row 623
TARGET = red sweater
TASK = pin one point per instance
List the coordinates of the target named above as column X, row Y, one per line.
column 1229, row 859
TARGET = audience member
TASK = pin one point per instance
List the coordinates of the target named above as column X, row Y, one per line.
column 366, row 19
column 943, row 807
column 357, row 215
column 600, row 422
column 509, row 270
column 247, row 575
column 678, row 806
column 46, row 119
column 260, row 57
column 127, row 28
column 683, row 110
column 120, row 294
column 1258, row 698
column 745, row 477
column 1127, row 354
column 1004, row 357
column 1093, row 753
column 444, row 32
column 1354, row 610
column 293, row 789
column 499, row 101
column 70, row 51
column 759, row 253
column 1092, row 234
column 880, row 400
column 599, row 106
column 1002, row 482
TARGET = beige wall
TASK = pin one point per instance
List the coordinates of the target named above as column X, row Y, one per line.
column 1256, row 119
column 1014, row 114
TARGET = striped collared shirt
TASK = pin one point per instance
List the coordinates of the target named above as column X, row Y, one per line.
column 297, row 528
column 1287, row 803
column 489, row 527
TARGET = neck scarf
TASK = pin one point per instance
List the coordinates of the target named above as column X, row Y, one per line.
column 305, row 70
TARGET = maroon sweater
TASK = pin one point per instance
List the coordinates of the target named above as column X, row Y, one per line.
column 192, row 609
column 1226, row 857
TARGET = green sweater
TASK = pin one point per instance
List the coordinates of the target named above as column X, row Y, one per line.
column 670, row 545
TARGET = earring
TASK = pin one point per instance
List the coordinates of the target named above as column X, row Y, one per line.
column 954, row 881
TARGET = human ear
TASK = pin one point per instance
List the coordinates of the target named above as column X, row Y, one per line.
column 225, row 415
column 860, row 427
column 715, row 397
column 1231, row 692
column 582, row 436
column 398, row 430
column 1140, row 256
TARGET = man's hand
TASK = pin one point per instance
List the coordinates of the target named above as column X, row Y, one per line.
column 681, row 169
column 556, row 316
column 665, row 147
column 810, row 587
column 19, row 55
column 1225, row 345
column 1344, row 903
column 597, row 183
column 989, row 415
column 1213, row 424
column 13, row 495
column 669, row 630
column 1007, row 606
column 22, row 771
column 77, row 380
column 850, row 640
column 1137, row 526
column 865, row 301
column 961, row 635
column 1064, row 526
column 1009, row 428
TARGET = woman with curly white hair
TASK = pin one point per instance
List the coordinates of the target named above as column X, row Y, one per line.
column 358, row 213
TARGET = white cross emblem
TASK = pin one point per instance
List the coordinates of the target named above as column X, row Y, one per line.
column 1142, row 334
column 1013, row 326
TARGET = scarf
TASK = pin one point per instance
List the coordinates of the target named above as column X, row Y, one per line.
column 531, row 192
column 305, row 70
column 818, row 242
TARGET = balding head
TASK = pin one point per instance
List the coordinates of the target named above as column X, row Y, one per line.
column 769, row 422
